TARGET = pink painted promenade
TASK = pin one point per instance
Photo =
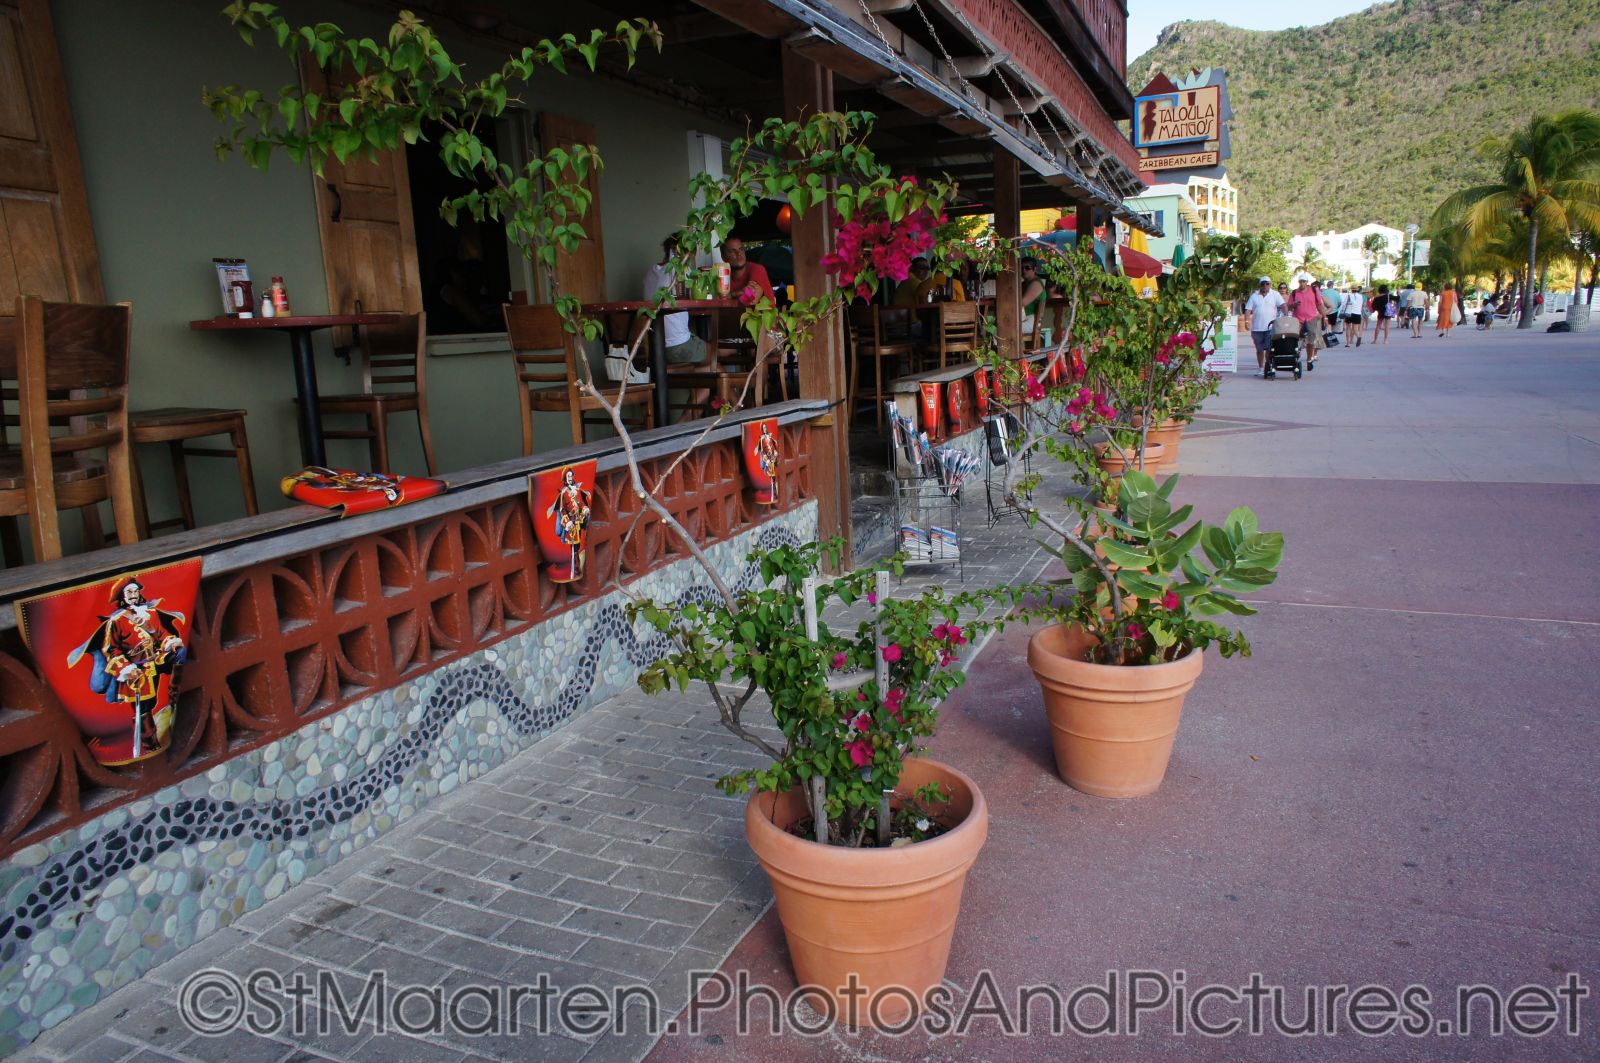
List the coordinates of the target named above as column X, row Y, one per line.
column 1398, row 788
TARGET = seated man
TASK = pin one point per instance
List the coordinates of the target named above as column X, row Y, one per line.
column 744, row 272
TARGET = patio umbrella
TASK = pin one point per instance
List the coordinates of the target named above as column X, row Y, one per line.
column 1138, row 264
column 1179, row 256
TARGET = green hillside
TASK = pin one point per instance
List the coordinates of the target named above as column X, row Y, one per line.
column 1374, row 116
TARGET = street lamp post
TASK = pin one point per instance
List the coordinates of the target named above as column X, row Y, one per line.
column 1411, row 252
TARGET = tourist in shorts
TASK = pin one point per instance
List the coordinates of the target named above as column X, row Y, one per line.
column 1353, row 311
column 1263, row 306
column 1306, row 305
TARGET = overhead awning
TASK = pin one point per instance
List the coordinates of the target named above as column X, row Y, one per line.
column 1138, row 264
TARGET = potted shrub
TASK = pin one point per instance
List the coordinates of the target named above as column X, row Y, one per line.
column 866, row 843
column 1130, row 642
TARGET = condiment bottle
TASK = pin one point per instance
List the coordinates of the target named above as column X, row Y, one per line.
column 280, row 298
column 267, row 309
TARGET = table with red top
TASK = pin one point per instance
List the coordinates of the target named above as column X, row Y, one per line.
column 658, row 344
column 299, row 327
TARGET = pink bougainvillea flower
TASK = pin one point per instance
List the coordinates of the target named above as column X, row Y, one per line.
column 942, row 631
column 1076, row 428
column 1171, row 601
column 1163, row 358
column 955, row 636
column 839, row 660
column 891, row 652
column 893, row 702
column 860, row 752
column 1035, row 389
column 872, row 597
column 1136, row 631
column 862, row 722
column 861, row 696
column 749, row 295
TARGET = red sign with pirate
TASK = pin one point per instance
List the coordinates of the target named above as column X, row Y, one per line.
column 111, row 652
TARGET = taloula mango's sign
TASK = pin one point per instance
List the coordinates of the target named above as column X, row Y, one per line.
column 1177, row 117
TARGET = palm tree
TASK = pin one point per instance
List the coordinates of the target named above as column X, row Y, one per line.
column 1549, row 179
column 1310, row 259
column 1374, row 252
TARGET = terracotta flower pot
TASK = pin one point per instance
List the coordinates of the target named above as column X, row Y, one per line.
column 884, row 915
column 1168, row 433
column 1112, row 726
column 1110, row 458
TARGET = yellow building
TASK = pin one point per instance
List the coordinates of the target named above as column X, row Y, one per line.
column 1040, row 220
column 1218, row 203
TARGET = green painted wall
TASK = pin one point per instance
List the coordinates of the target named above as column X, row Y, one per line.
column 163, row 206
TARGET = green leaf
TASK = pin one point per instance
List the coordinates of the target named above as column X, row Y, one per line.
column 1218, row 548
column 1124, row 555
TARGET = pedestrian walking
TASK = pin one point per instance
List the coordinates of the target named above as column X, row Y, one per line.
column 1263, row 306
column 1384, row 309
column 1306, row 305
column 1414, row 301
column 1353, row 309
column 1449, row 302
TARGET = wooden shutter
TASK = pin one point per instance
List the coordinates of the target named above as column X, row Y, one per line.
column 46, row 239
column 582, row 273
column 369, row 241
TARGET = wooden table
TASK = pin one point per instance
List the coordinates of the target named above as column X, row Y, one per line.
column 658, row 342
column 299, row 327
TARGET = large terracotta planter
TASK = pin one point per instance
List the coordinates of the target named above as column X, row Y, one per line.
column 1168, row 433
column 1112, row 726
column 1110, row 459
column 884, row 915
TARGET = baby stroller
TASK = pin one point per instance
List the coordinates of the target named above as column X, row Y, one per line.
column 1284, row 352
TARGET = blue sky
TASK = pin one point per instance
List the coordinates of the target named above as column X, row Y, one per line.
column 1146, row 18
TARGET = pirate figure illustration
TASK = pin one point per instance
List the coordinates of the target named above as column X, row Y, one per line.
column 767, row 452
column 571, row 513
column 315, row 476
column 133, row 650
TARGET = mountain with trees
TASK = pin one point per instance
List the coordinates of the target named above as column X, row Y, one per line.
column 1377, row 116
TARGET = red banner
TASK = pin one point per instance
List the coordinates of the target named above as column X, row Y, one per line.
column 561, row 501
column 112, row 650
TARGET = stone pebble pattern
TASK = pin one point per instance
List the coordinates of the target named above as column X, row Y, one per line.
column 50, row 936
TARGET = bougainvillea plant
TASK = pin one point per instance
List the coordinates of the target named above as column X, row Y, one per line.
column 850, row 704
column 1121, row 365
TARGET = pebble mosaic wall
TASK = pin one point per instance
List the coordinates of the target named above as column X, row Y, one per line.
column 94, row 908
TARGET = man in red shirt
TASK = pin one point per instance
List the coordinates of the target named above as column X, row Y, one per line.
column 745, row 272
column 1305, row 303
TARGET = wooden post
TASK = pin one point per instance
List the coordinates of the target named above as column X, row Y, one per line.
column 1008, row 226
column 808, row 90
column 1084, row 224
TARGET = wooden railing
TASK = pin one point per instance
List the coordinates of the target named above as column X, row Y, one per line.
column 326, row 615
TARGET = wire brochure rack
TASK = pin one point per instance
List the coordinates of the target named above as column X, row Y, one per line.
column 927, row 499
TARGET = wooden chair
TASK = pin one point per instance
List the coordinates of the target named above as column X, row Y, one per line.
column 956, row 332
column 549, row 382
column 71, row 368
column 176, row 426
column 868, row 342
column 725, row 376
column 393, row 380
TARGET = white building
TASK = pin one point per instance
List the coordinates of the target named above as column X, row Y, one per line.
column 1342, row 251
column 1218, row 203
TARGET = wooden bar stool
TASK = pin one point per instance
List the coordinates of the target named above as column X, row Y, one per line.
column 176, row 426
